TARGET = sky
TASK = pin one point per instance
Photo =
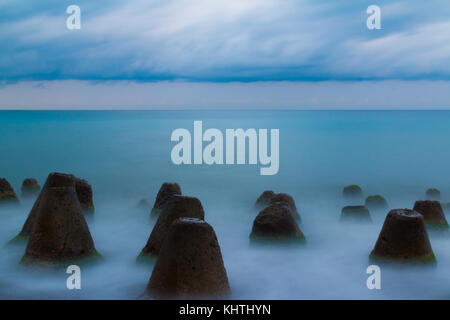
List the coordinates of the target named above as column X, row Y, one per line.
column 224, row 54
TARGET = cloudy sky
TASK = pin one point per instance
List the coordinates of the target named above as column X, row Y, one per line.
column 224, row 53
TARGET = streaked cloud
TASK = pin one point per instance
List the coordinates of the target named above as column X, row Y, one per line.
column 224, row 40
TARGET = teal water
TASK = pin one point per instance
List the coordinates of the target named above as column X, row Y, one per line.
column 125, row 155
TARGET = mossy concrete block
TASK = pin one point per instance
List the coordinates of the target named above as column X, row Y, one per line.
column 30, row 187
column 177, row 207
column 403, row 239
column 356, row 214
column 433, row 194
column 7, row 193
column 276, row 222
column 432, row 213
column 376, row 202
column 190, row 264
column 54, row 179
column 352, row 191
column 60, row 232
column 166, row 191
column 264, row 199
column 288, row 201
column 85, row 195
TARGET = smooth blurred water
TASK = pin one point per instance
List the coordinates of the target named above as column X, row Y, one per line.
column 125, row 155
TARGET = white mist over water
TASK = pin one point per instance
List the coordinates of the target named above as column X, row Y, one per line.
column 126, row 156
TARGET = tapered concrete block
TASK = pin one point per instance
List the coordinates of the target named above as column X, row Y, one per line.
column 288, row 201
column 30, row 187
column 177, row 207
column 7, row 193
column 352, row 191
column 54, row 180
column 403, row 238
column 433, row 194
column 264, row 199
column 85, row 195
column 166, row 191
column 190, row 264
column 276, row 222
column 432, row 213
column 355, row 214
column 376, row 202
column 60, row 232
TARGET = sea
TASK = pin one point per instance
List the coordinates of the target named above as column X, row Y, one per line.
column 126, row 156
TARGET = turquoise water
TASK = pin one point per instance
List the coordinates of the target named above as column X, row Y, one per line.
column 125, row 155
